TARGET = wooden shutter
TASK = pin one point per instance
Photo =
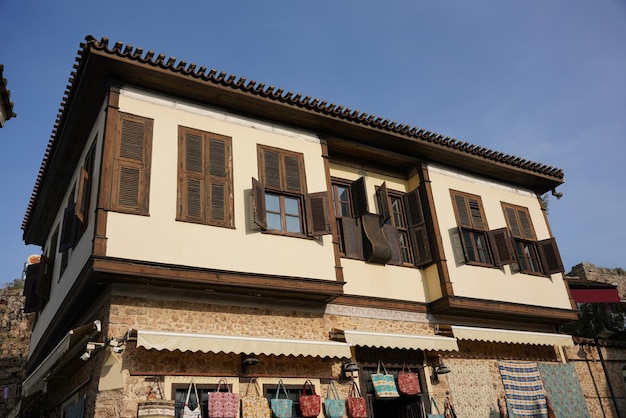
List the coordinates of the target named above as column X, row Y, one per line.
column 318, row 218
column 392, row 236
column 191, row 193
column 503, row 252
column 359, row 197
column 293, row 182
column 270, row 170
column 376, row 248
column 258, row 203
column 32, row 302
column 383, row 199
column 131, row 166
column 44, row 279
column 518, row 219
column 418, row 230
column 221, row 207
column 352, row 237
column 69, row 230
column 550, row 256
column 469, row 211
column 82, row 200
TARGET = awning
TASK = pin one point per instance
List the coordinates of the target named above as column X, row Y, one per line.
column 73, row 337
column 594, row 295
column 161, row 340
column 406, row 341
column 512, row 337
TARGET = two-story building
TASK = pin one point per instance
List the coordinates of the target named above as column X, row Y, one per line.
column 197, row 225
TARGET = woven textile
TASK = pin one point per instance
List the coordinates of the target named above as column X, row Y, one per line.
column 563, row 390
column 524, row 389
column 471, row 388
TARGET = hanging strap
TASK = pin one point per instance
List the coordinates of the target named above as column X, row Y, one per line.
column 380, row 363
column 332, row 390
column 308, row 384
column 281, row 385
column 433, row 403
column 354, row 389
column 407, row 367
column 255, row 383
column 189, row 393
column 219, row 385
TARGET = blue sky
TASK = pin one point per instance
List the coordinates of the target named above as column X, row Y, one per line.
column 545, row 81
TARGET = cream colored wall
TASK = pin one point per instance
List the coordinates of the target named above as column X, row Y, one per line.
column 78, row 255
column 160, row 238
column 365, row 279
column 493, row 283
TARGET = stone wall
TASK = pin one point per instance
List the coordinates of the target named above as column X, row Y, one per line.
column 616, row 276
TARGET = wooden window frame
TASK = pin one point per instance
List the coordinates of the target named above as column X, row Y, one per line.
column 123, row 165
column 211, row 175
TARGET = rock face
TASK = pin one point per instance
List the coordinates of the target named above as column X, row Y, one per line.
column 616, row 276
column 15, row 331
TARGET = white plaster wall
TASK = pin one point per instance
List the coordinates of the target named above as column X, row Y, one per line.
column 160, row 238
column 493, row 283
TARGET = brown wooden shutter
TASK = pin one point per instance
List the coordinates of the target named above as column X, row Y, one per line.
column 318, row 219
column 271, row 169
column 44, row 279
column 376, row 248
column 383, row 199
column 258, row 203
column 69, row 230
column 392, row 236
column 132, row 165
column 82, row 200
column 463, row 212
column 359, row 197
column 476, row 213
column 293, row 182
column 220, row 182
column 418, row 230
column 352, row 237
column 502, row 247
column 526, row 225
column 512, row 221
column 32, row 302
column 550, row 256
column 191, row 177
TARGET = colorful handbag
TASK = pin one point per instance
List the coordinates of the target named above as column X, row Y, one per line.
column 223, row 404
column 281, row 408
column 384, row 384
column 334, row 406
column 357, row 405
column 310, row 405
column 255, row 406
column 187, row 411
column 408, row 382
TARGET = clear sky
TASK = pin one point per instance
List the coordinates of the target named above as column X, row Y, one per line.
column 542, row 80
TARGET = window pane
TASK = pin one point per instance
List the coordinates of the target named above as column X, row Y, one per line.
column 273, row 221
column 272, row 203
column 292, row 206
column 293, row 224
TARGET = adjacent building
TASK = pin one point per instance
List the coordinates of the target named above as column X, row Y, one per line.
column 197, row 225
column 6, row 105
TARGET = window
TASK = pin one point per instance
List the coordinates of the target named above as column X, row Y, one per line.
column 131, row 164
column 405, row 225
column 281, row 203
column 534, row 257
column 349, row 198
column 84, row 188
column 205, row 178
column 480, row 246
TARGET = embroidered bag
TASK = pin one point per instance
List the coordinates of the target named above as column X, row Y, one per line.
column 187, row 411
column 310, row 405
column 281, row 408
column 384, row 384
column 256, row 405
column 408, row 382
column 223, row 404
column 357, row 405
column 433, row 408
column 334, row 406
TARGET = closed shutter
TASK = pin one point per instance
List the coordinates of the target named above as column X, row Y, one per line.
column 550, row 256
column 131, row 167
column 271, row 169
column 502, row 247
column 318, row 220
column 220, row 194
column 293, row 182
column 352, row 237
column 192, row 174
column 258, row 203
column 518, row 219
column 69, row 230
column 418, row 230
column 82, row 200
column 359, row 197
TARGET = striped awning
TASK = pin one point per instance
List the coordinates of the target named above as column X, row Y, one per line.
column 404, row 341
column 208, row 343
column 511, row 337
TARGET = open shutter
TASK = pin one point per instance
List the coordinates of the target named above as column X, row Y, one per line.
column 359, row 197
column 69, row 230
column 258, row 203
column 383, row 200
column 502, row 247
column 550, row 256
column 32, row 302
column 418, row 230
column 318, row 220
column 376, row 248
column 131, row 165
column 352, row 237
column 82, row 200
column 392, row 236
column 44, row 279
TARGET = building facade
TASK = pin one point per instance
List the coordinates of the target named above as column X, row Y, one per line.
column 6, row 105
column 196, row 226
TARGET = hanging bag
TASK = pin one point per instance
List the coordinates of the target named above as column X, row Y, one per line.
column 255, row 405
column 281, row 408
column 310, row 405
column 334, row 406
column 433, row 408
column 384, row 384
column 187, row 411
column 223, row 404
column 357, row 405
column 408, row 381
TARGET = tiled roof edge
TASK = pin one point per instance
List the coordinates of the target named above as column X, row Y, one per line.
column 6, row 94
column 130, row 52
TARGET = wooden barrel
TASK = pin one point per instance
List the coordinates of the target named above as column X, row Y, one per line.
column 155, row 409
